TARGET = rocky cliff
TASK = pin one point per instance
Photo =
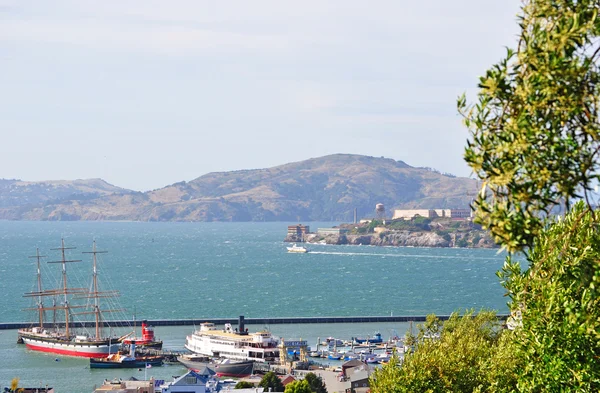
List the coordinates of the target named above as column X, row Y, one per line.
column 475, row 239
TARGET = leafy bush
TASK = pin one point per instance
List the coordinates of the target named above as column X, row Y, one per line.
column 472, row 354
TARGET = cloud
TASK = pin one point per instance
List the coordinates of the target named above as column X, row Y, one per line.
column 162, row 40
column 172, row 79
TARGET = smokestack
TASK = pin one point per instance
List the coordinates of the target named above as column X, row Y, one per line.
column 241, row 324
column 132, row 349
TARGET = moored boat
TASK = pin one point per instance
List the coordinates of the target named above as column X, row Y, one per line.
column 62, row 338
column 147, row 340
column 233, row 344
column 223, row 368
column 130, row 360
column 376, row 339
column 334, row 355
column 332, row 342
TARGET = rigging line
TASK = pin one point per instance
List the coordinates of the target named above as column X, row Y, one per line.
column 107, row 285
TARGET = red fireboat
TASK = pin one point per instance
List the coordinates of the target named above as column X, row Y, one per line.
column 147, row 340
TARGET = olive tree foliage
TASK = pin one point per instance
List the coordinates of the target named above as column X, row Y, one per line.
column 388, row 379
column 315, row 382
column 535, row 145
column 298, row 387
column 557, row 333
column 468, row 353
column 534, row 133
column 271, row 380
column 243, row 385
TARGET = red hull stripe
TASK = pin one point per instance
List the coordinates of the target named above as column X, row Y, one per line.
column 67, row 352
column 232, row 375
column 223, row 374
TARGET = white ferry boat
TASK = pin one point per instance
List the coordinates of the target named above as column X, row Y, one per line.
column 233, row 344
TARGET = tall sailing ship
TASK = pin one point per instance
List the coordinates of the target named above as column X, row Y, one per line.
column 61, row 337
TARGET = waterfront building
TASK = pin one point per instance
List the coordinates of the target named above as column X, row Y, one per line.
column 298, row 230
column 193, row 382
column 131, row 385
column 412, row 213
column 408, row 214
column 332, row 231
column 359, row 381
column 357, row 373
column 461, row 213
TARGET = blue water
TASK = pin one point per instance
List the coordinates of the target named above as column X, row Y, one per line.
column 210, row 270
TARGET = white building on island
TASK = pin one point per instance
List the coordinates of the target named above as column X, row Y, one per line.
column 408, row 214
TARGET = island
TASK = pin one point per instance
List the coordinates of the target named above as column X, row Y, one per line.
column 415, row 232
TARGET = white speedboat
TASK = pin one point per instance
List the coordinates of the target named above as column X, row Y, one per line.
column 297, row 249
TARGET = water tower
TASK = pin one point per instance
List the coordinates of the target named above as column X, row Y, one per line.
column 380, row 212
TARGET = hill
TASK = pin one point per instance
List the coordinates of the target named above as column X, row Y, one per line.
column 319, row 189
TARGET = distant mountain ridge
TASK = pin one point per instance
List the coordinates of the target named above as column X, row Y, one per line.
column 327, row 188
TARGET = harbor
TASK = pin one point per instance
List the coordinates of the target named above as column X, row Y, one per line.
column 194, row 273
column 60, row 373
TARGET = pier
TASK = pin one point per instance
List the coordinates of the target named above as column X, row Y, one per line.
column 249, row 321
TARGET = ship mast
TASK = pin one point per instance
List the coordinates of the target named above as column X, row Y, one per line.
column 65, row 289
column 40, row 305
column 95, row 293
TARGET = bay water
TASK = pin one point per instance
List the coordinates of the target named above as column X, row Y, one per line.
column 223, row 270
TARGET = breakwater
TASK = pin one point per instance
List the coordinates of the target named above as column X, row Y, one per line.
column 249, row 321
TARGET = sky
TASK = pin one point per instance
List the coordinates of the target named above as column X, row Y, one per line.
column 146, row 93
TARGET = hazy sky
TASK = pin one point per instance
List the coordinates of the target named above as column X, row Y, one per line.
column 148, row 93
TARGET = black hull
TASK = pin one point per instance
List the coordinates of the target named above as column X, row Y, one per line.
column 149, row 345
column 137, row 363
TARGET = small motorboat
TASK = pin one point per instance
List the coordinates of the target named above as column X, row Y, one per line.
column 297, row 249
column 334, row 356
column 376, row 339
column 120, row 360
